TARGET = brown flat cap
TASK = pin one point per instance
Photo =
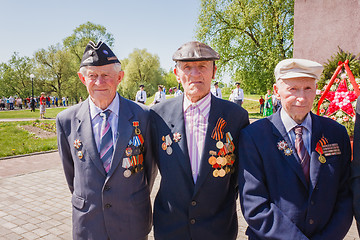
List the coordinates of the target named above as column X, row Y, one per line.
column 195, row 51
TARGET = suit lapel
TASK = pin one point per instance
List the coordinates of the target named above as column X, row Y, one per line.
column 86, row 135
column 123, row 134
column 210, row 143
column 177, row 125
column 293, row 160
column 315, row 164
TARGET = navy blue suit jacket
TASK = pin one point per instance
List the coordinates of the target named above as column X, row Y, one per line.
column 355, row 167
column 106, row 206
column 184, row 210
column 275, row 199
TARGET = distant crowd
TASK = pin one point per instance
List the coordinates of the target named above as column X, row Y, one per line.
column 14, row 102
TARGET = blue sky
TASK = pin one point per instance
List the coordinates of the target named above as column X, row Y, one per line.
column 160, row 26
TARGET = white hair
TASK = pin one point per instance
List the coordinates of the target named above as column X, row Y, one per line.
column 117, row 68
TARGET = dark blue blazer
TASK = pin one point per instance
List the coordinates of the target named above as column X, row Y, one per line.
column 276, row 201
column 184, row 210
column 355, row 167
column 106, row 206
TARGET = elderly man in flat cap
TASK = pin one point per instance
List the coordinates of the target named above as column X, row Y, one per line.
column 294, row 165
column 104, row 146
column 195, row 138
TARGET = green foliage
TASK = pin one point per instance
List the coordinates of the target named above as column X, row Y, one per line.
column 251, row 36
column 141, row 67
column 170, row 80
column 15, row 77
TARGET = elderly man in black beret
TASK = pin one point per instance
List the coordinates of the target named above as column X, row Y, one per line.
column 195, row 138
column 104, row 146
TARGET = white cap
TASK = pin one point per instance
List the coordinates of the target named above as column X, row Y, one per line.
column 294, row 68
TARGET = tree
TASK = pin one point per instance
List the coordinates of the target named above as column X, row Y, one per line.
column 140, row 68
column 77, row 41
column 251, row 36
column 15, row 76
column 56, row 72
column 170, row 79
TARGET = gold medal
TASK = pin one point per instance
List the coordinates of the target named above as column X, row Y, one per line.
column 219, row 144
column 128, row 151
column 219, row 160
column 127, row 173
column 222, row 173
column 212, row 160
column 164, row 146
column 227, row 169
column 80, row 154
column 163, row 138
column 224, row 161
column 228, row 158
column 137, row 131
column 216, row 173
column 322, row 159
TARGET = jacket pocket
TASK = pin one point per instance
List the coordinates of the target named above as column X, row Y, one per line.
column 77, row 201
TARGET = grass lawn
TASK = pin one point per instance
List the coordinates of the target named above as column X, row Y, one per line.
column 16, row 141
column 25, row 113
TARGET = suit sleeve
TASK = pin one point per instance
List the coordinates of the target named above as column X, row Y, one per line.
column 264, row 218
column 355, row 166
column 65, row 155
column 149, row 160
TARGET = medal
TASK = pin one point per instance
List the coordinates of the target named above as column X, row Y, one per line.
column 127, row 173
column 219, row 160
column 136, row 151
column 227, row 169
column 222, row 173
column 169, row 150
column 176, row 137
column 80, row 154
column 212, row 160
column 216, row 173
column 137, row 130
column 219, row 144
column 322, row 159
column 128, row 151
column 228, row 158
column 77, row 143
column 163, row 146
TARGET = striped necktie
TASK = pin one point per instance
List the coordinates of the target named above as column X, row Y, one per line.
column 302, row 152
column 106, row 141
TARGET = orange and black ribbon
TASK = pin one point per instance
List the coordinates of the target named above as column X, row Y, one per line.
column 218, row 132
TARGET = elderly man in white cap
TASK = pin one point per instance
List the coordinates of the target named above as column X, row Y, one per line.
column 294, row 165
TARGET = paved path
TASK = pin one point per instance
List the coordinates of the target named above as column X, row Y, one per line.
column 35, row 200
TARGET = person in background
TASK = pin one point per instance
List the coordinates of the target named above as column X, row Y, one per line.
column 104, row 147
column 238, row 95
column 64, row 101
column 177, row 92
column 42, row 102
column 19, row 102
column 261, row 101
column 295, row 166
column 141, row 95
column 193, row 137
column 217, row 91
column 159, row 95
column 268, row 108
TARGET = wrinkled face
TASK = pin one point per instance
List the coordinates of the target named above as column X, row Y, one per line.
column 195, row 78
column 101, row 82
column 297, row 96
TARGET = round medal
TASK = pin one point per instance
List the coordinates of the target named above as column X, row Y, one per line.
column 227, row 169
column 219, row 160
column 80, row 154
column 322, row 159
column 127, row 173
column 212, row 160
column 169, row 150
column 219, row 144
column 222, row 172
column 137, row 131
column 128, row 151
column 163, row 146
column 216, row 173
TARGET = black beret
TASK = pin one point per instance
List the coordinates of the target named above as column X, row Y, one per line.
column 216, row 83
column 98, row 55
column 195, row 51
column 141, row 85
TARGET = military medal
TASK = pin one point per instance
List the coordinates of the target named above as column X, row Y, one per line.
column 163, row 146
column 166, row 145
column 319, row 149
column 169, row 150
column 222, row 172
column 283, row 146
column 219, row 144
column 128, row 151
column 127, row 173
column 77, row 143
column 137, row 130
column 176, row 137
column 216, row 173
column 80, row 154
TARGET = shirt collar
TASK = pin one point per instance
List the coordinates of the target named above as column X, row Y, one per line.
column 203, row 104
column 289, row 123
column 113, row 107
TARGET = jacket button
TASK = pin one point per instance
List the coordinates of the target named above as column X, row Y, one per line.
column 192, row 221
column 107, row 188
column 193, row 203
column 108, row 205
column 311, row 221
column 312, row 203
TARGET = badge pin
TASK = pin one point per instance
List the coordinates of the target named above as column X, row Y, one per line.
column 80, row 154
column 176, row 137
column 77, row 143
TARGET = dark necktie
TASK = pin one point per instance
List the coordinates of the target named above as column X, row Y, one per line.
column 106, row 141
column 141, row 96
column 302, row 152
column 216, row 92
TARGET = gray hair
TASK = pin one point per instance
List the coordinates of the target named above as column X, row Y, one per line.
column 117, row 68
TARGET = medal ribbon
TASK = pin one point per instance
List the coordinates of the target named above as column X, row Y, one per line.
column 136, row 141
column 218, row 133
column 320, row 143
